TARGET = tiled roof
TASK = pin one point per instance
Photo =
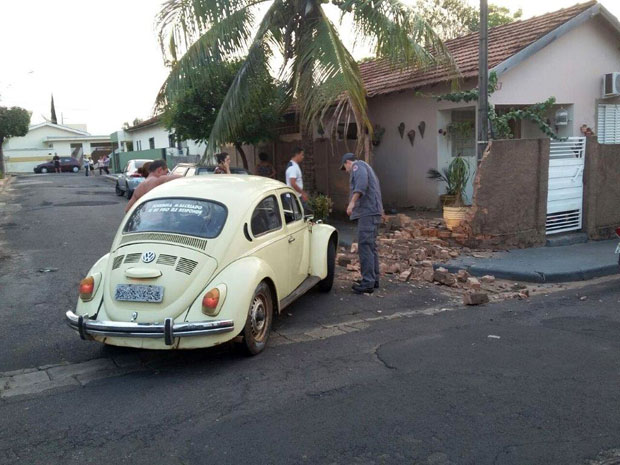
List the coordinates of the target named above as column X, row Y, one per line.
column 504, row 41
column 145, row 123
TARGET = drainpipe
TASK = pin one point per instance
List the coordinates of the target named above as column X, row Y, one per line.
column 483, row 80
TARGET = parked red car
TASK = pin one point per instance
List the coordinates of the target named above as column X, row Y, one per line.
column 67, row 165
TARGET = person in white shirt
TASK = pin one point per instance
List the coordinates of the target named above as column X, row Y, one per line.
column 293, row 174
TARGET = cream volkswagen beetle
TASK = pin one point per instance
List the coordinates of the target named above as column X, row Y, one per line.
column 197, row 262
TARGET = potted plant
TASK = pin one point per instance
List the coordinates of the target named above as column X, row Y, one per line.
column 321, row 206
column 456, row 177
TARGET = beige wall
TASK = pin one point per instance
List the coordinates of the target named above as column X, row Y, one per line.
column 570, row 69
column 402, row 168
column 601, row 189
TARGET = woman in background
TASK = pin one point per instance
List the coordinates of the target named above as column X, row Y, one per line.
column 264, row 168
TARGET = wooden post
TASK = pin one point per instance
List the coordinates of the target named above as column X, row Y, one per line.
column 483, row 81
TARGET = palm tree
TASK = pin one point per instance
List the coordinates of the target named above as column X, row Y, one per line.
column 320, row 75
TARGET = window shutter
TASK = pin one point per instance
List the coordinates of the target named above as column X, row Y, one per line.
column 608, row 124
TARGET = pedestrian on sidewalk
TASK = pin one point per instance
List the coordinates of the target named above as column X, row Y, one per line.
column 86, row 164
column 104, row 163
column 365, row 206
column 294, row 177
column 158, row 174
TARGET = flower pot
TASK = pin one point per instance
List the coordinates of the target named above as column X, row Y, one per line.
column 447, row 199
column 453, row 216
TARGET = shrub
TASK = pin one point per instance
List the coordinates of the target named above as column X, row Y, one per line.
column 321, row 206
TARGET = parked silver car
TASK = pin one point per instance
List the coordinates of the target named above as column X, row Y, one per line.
column 129, row 179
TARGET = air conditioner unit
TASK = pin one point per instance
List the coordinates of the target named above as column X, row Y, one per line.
column 611, row 84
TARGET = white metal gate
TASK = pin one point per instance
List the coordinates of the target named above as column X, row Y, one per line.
column 565, row 196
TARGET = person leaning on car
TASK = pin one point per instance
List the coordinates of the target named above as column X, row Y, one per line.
column 365, row 206
column 158, row 174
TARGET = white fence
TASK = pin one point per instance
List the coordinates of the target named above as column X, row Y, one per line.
column 565, row 196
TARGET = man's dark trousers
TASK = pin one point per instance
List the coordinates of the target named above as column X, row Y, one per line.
column 367, row 227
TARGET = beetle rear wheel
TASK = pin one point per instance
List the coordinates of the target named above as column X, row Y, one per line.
column 258, row 323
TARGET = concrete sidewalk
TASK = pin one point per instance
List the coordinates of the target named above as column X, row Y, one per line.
column 577, row 262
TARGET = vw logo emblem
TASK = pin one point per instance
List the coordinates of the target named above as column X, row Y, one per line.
column 134, row 315
column 148, row 257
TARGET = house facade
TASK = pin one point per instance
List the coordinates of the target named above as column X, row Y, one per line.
column 44, row 140
column 564, row 54
column 149, row 139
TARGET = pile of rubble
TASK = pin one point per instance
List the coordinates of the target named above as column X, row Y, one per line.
column 414, row 249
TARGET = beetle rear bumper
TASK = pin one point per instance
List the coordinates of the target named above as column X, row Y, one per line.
column 168, row 330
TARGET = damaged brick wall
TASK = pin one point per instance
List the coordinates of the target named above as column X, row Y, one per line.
column 510, row 195
column 601, row 189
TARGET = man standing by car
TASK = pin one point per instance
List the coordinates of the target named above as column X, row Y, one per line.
column 56, row 161
column 158, row 174
column 365, row 206
column 293, row 175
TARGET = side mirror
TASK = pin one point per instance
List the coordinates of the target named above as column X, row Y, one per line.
column 308, row 217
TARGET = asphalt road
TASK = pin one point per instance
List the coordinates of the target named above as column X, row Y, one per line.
column 417, row 380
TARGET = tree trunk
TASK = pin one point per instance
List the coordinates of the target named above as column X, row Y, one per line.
column 244, row 159
column 308, row 165
column 2, row 170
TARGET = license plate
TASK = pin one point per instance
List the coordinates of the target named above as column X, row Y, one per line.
column 139, row 293
column 618, row 248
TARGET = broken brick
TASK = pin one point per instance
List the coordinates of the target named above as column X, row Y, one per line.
column 475, row 298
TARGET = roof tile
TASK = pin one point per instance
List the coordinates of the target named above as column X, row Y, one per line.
column 504, row 41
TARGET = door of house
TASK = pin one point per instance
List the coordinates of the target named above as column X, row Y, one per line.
column 565, row 195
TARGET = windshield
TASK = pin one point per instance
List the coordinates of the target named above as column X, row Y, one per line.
column 192, row 217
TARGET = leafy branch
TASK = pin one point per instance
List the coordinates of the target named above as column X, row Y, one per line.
column 500, row 127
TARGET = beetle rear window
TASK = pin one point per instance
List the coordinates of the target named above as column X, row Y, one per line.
column 192, row 217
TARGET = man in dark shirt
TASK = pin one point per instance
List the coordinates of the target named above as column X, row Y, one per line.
column 365, row 206
column 56, row 161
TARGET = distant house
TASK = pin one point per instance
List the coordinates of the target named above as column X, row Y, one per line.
column 44, row 140
column 149, row 139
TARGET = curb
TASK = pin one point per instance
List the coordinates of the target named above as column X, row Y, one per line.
column 110, row 178
column 536, row 276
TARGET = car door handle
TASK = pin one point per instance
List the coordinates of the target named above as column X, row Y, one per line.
column 290, row 239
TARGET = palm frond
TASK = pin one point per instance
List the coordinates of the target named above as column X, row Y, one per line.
column 242, row 94
column 327, row 74
column 227, row 38
column 398, row 33
column 183, row 22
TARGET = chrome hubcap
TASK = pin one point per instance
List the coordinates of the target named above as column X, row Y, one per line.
column 258, row 317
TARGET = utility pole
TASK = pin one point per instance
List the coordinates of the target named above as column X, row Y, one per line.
column 483, row 80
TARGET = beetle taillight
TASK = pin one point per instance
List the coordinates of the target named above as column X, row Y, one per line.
column 210, row 300
column 618, row 232
column 87, row 286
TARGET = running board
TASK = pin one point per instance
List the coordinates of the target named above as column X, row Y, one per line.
column 304, row 287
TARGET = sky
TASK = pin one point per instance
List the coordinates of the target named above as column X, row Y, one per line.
column 101, row 59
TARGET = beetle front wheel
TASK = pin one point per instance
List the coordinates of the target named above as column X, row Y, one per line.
column 258, row 323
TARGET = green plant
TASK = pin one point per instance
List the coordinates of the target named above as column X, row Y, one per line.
column 321, row 206
column 499, row 124
column 462, row 129
column 304, row 40
column 455, row 176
